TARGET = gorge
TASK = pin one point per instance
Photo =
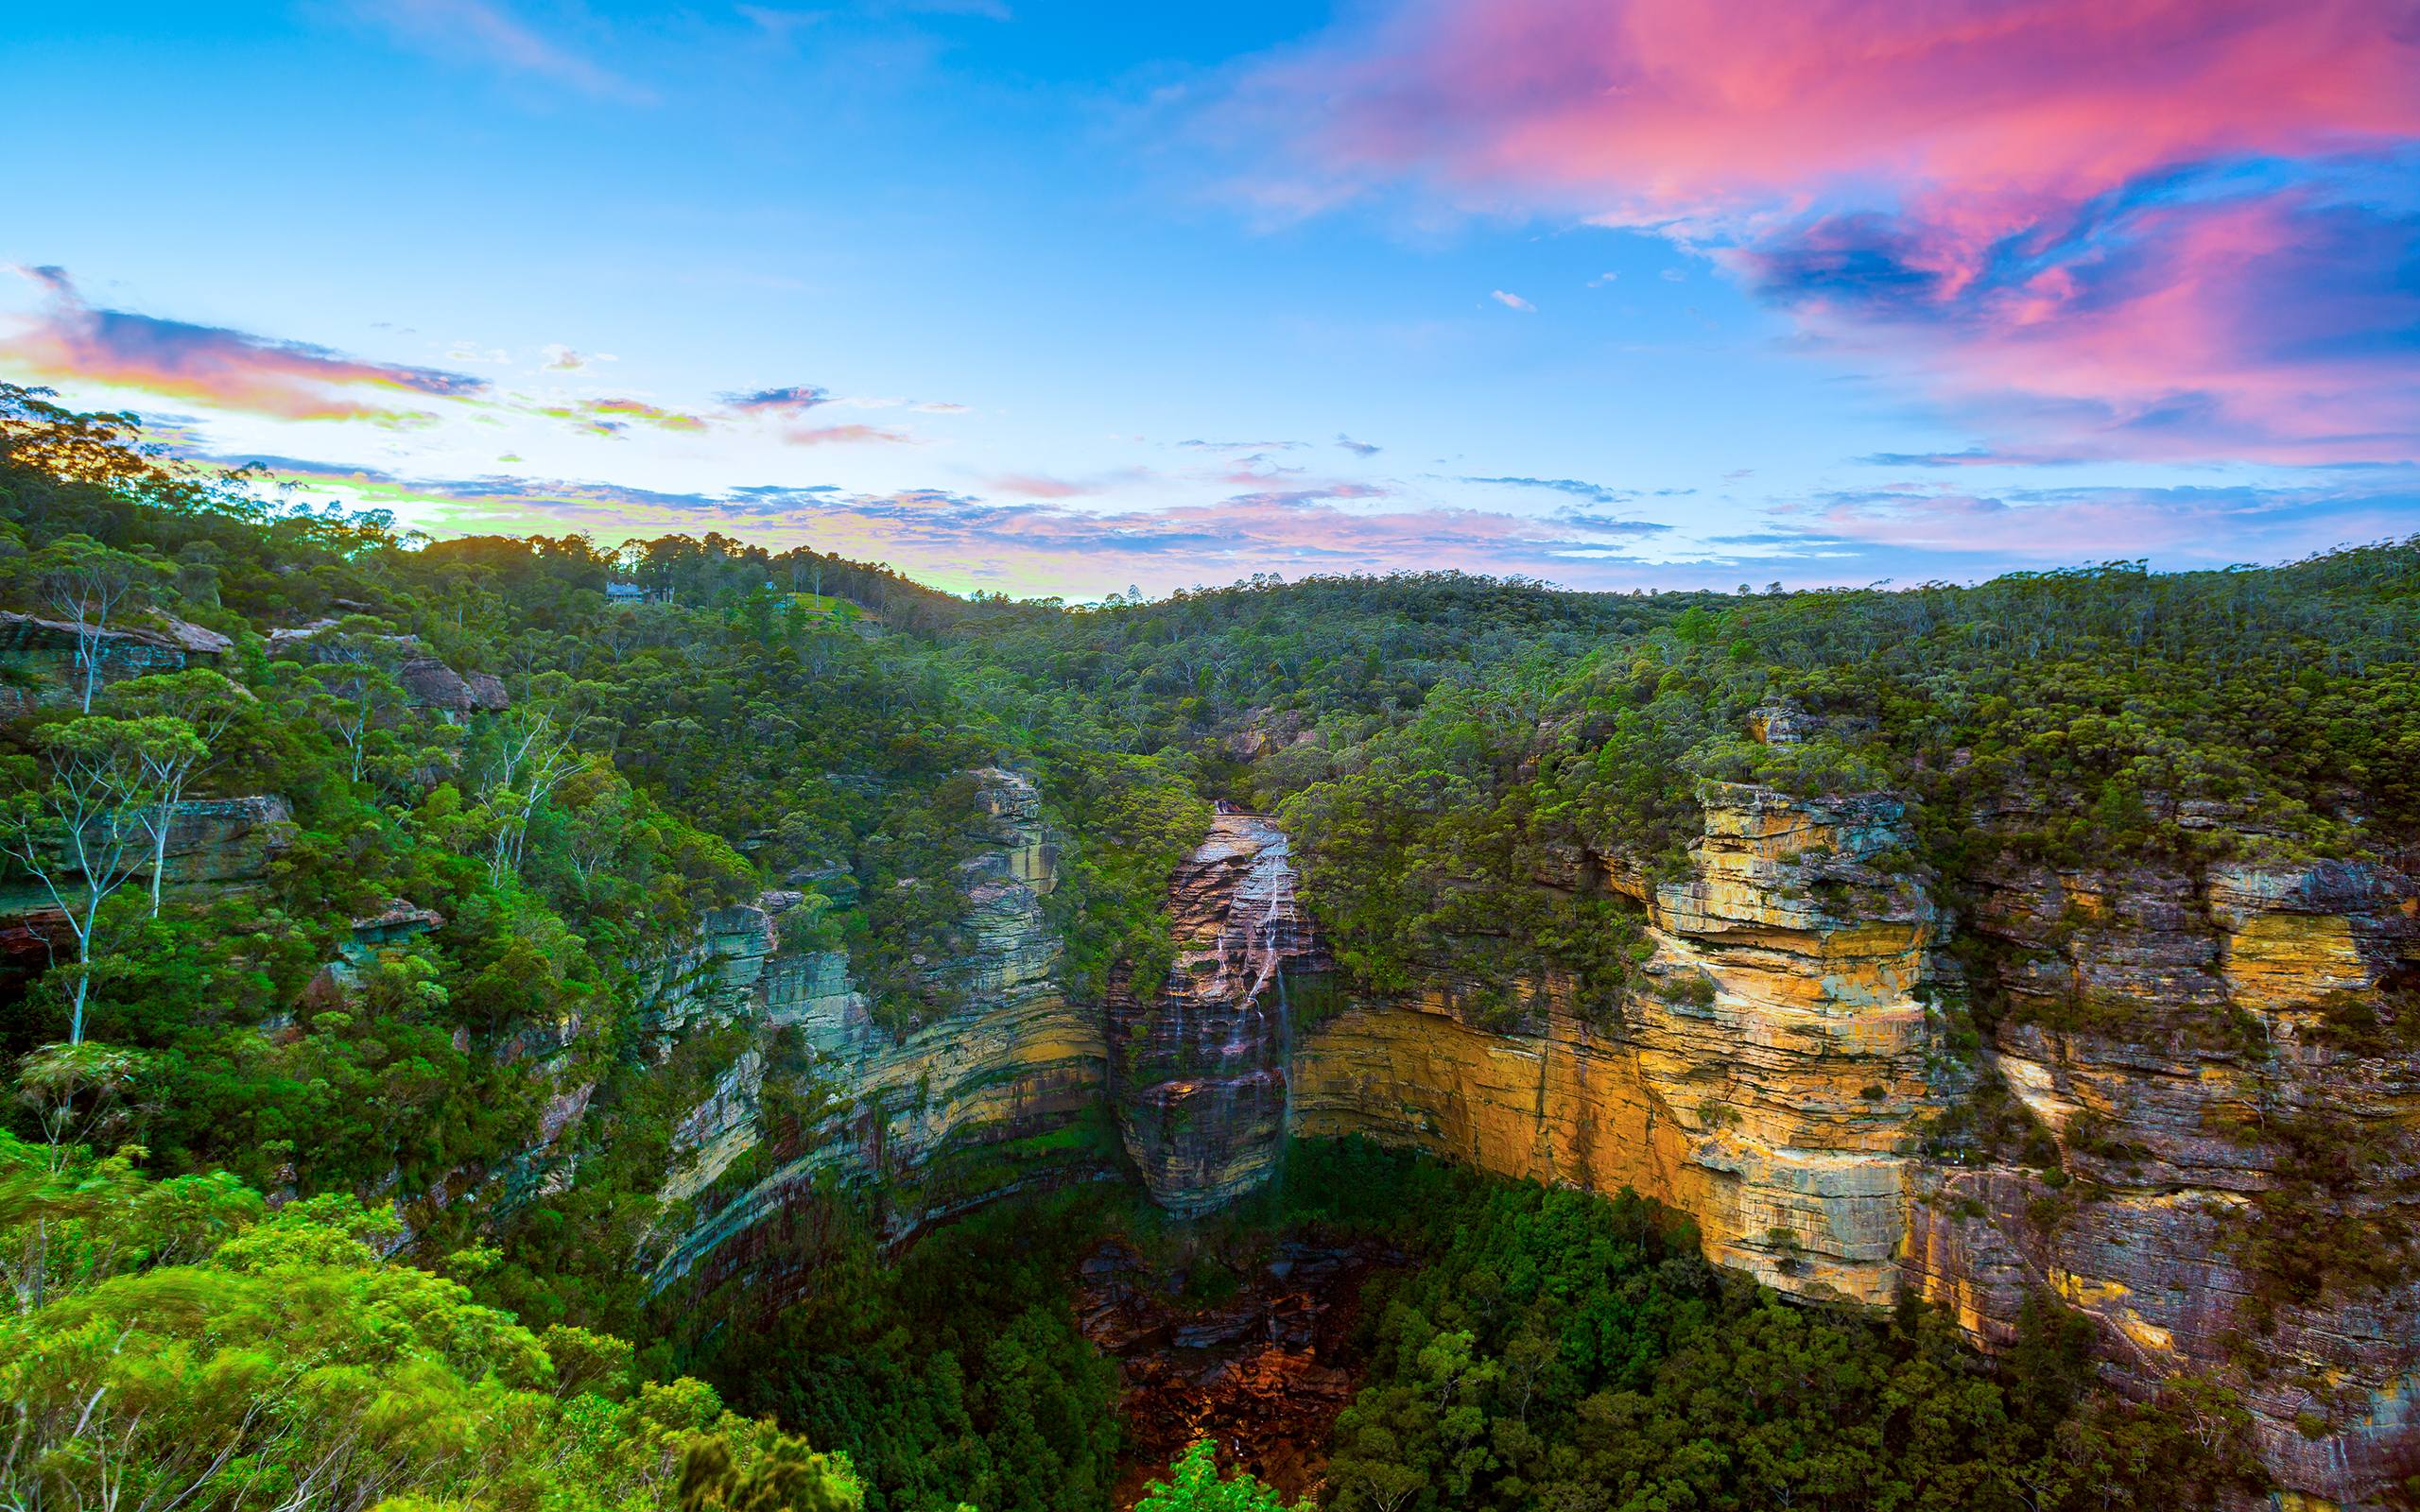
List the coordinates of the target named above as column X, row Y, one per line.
column 1790, row 1112
column 1448, row 1040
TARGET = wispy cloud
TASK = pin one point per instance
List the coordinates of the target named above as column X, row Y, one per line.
column 846, row 434
column 793, row 399
column 1039, row 486
column 2182, row 526
column 1357, row 448
column 1241, row 446
column 618, row 414
column 784, row 22
column 1971, row 457
column 480, row 32
column 1513, row 302
column 1595, row 492
column 1046, row 485
column 1039, row 546
column 70, row 339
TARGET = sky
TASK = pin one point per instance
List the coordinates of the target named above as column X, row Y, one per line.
column 1078, row 299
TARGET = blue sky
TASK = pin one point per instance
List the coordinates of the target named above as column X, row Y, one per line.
column 1064, row 297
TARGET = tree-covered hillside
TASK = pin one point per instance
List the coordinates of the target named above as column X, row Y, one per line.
column 318, row 831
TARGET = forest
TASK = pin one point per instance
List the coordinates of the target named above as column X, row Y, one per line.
column 509, row 774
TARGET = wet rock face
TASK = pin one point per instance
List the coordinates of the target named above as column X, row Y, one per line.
column 1263, row 1374
column 1199, row 1069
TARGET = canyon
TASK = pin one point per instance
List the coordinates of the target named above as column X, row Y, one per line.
column 1782, row 1072
column 1780, row 1076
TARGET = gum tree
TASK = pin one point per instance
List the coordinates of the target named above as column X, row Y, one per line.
column 75, row 833
column 87, row 583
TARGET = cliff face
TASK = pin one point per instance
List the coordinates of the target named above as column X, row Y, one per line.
column 2201, row 1052
column 985, row 1100
column 46, row 657
column 2227, row 1063
column 2221, row 1064
column 1199, row 1068
column 1764, row 1084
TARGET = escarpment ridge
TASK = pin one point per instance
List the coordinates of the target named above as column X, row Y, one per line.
column 1787, row 1072
column 2177, row 1071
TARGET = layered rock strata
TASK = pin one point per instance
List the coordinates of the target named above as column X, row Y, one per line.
column 1765, row 1083
column 47, row 656
column 993, row 1097
column 2224, row 1064
column 2196, row 1043
column 1199, row 1066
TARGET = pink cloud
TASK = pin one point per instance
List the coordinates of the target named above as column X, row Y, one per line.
column 2178, row 524
column 2107, row 204
column 618, row 412
column 70, row 340
column 1657, row 109
column 846, row 434
column 1040, row 485
column 1048, row 486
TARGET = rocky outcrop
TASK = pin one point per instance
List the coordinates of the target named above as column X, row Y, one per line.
column 1263, row 1374
column 1781, row 1072
column 427, row 683
column 992, row 1097
column 2226, row 1064
column 1200, row 1065
column 1765, row 1083
column 213, row 842
column 2199, row 1044
column 45, row 657
column 227, row 840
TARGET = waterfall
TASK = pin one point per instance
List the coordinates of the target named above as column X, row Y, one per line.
column 1275, row 863
column 1212, row 1108
column 1286, row 1086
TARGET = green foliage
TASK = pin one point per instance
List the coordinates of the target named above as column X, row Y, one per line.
column 787, row 1477
column 1479, row 777
column 1130, row 820
column 952, row 1374
column 2332, row 1218
column 1550, row 1348
column 1194, row 1485
column 171, row 1345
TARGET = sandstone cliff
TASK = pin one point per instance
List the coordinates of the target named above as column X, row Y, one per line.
column 1765, row 1085
column 2222, row 1063
column 989, row 1098
column 2226, row 1061
column 1790, row 1073
column 1200, row 1069
column 2221, row 1068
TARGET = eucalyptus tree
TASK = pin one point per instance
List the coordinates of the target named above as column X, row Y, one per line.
column 76, row 833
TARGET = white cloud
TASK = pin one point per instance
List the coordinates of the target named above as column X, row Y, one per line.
column 560, row 358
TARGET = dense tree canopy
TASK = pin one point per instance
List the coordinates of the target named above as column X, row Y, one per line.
column 595, row 771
